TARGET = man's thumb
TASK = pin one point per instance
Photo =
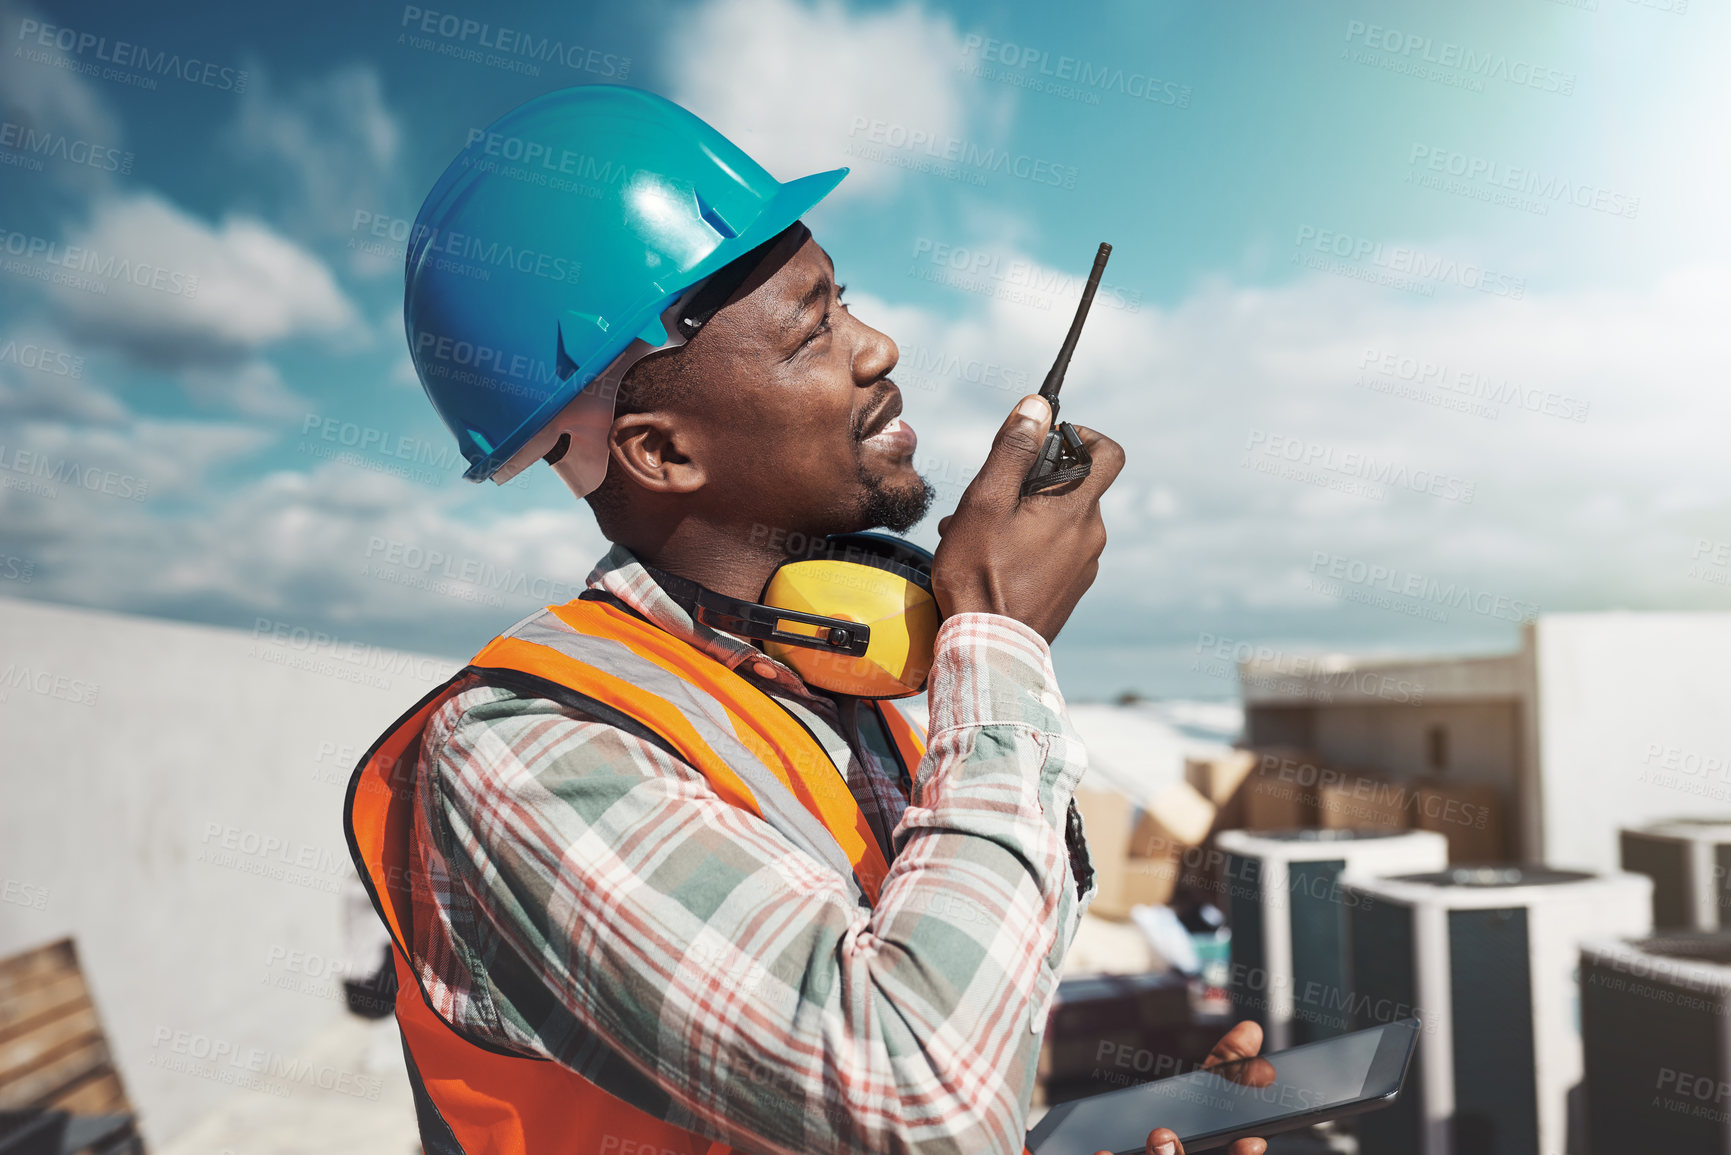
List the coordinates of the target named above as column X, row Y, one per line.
column 1016, row 446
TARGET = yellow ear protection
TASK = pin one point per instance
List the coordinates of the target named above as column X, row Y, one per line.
column 856, row 617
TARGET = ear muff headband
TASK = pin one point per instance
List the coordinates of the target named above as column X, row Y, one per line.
column 858, row 618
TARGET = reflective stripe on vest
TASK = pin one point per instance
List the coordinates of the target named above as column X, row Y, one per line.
column 474, row 1099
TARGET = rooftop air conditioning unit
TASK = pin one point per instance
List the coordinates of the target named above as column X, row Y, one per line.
column 1486, row 957
column 1688, row 860
column 1658, row 1052
column 1288, row 915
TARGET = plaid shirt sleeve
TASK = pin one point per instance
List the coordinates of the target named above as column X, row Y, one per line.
column 597, row 904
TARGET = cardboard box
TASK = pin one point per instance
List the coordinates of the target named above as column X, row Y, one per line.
column 1106, row 819
column 1178, row 816
column 1218, row 779
column 1139, row 882
column 1280, row 792
column 1361, row 802
column 1137, row 851
column 1151, row 881
column 1469, row 814
column 1105, row 946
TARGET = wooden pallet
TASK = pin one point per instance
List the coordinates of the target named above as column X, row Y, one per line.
column 57, row 1074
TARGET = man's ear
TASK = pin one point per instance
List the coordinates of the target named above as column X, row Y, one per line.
column 649, row 449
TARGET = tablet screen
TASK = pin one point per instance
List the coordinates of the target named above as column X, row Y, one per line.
column 1307, row 1078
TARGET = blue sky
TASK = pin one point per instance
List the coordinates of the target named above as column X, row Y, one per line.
column 1415, row 323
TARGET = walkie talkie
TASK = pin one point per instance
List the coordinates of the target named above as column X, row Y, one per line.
column 1063, row 457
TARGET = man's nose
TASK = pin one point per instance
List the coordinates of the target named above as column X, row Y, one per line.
column 874, row 355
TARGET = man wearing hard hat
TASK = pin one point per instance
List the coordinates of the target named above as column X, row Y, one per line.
column 665, row 870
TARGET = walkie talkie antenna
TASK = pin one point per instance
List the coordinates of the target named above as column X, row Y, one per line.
column 1063, row 457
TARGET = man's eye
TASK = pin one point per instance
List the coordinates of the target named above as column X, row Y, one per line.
column 823, row 325
column 822, row 328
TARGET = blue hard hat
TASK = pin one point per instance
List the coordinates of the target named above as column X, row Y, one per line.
column 557, row 238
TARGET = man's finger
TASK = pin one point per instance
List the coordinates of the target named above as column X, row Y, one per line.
column 1108, row 459
column 1243, row 1041
column 1163, row 1142
column 1013, row 451
column 944, row 523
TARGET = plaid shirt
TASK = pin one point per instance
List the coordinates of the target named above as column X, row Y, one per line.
column 584, row 896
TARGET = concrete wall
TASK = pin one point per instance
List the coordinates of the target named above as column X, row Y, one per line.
column 1341, row 679
column 170, row 795
column 1633, row 724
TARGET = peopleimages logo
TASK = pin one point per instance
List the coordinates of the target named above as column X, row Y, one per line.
column 1354, row 464
column 405, row 562
column 540, row 161
column 921, row 366
column 442, row 355
column 1420, row 587
column 1455, row 62
column 1411, row 262
column 1541, row 186
column 954, row 150
column 79, row 259
column 513, row 48
column 444, row 243
column 121, row 55
column 981, row 265
column 1470, row 385
column 48, row 684
column 1317, row 677
column 1071, row 77
column 32, row 464
column 299, row 647
column 58, row 146
column 41, row 358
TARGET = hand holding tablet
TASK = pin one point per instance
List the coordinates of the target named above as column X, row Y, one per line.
column 1235, row 1058
column 1236, row 1095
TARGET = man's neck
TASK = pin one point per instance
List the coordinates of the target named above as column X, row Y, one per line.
column 719, row 558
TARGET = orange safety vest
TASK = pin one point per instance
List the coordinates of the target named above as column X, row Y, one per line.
column 472, row 1098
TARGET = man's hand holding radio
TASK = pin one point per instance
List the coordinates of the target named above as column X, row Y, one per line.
column 1029, row 558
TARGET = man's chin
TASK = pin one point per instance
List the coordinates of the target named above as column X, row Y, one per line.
column 896, row 504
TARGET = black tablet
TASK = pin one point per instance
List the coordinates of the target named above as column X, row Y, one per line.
column 1280, row 1092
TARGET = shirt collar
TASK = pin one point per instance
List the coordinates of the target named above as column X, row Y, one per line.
column 622, row 575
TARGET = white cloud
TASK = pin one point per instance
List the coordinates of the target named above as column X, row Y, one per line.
column 252, row 389
column 27, row 396
column 814, row 70
column 172, row 291
column 327, row 147
column 46, row 377
column 362, row 554
column 172, row 459
column 174, row 517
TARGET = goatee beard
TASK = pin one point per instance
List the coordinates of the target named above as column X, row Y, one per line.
column 895, row 510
